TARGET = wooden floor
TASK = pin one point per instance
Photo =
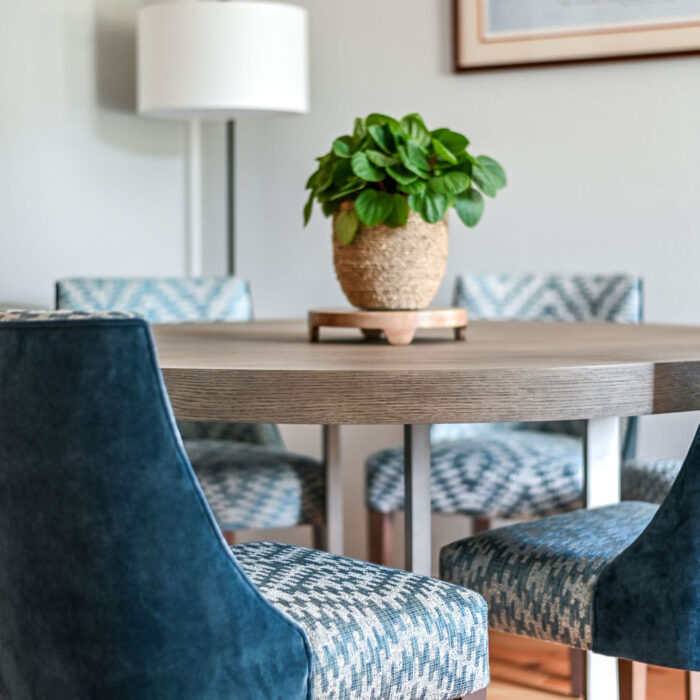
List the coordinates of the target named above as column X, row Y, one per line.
column 523, row 669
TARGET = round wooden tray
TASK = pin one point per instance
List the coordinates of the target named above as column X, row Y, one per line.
column 399, row 327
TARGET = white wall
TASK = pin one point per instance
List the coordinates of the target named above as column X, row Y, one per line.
column 86, row 186
column 602, row 159
column 603, row 162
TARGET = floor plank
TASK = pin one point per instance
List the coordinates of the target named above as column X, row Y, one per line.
column 525, row 669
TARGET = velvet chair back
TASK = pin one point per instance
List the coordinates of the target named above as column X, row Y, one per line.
column 116, row 582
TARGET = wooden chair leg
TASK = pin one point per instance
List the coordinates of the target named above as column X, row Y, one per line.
column 478, row 695
column 380, row 537
column 319, row 537
column 577, row 660
column 230, row 537
column 480, row 523
column 692, row 685
column 632, row 679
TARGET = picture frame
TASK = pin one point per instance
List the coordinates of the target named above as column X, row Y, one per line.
column 507, row 33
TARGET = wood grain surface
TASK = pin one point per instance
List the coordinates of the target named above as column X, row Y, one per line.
column 267, row 371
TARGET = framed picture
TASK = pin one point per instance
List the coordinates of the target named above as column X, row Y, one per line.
column 497, row 33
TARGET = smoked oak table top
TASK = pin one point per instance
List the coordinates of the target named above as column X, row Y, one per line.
column 267, row 371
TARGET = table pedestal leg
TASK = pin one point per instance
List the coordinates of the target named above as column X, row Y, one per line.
column 417, row 487
column 334, row 488
column 601, row 456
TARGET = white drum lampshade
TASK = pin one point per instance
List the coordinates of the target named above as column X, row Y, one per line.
column 219, row 60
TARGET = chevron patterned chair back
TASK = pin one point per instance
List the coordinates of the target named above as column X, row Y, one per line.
column 612, row 298
column 174, row 300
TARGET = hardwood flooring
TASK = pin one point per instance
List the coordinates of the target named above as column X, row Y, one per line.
column 523, row 669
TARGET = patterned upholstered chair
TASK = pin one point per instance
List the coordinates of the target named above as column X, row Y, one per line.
column 515, row 470
column 622, row 580
column 251, row 482
column 137, row 596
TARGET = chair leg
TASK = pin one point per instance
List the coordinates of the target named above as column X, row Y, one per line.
column 230, row 537
column 319, row 537
column 480, row 523
column 632, row 679
column 692, row 685
column 380, row 537
column 577, row 659
column 478, row 695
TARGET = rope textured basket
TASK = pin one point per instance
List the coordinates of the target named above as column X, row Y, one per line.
column 388, row 268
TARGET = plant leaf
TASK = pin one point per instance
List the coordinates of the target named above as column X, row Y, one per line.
column 360, row 130
column 451, row 140
column 346, row 226
column 308, row 207
column 325, row 177
column 415, row 129
column 378, row 158
column 497, row 174
column 342, row 172
column 453, row 182
column 342, row 147
column 362, row 167
column 382, row 136
column 470, row 207
column 373, row 207
column 401, row 174
column 329, row 208
column 443, row 153
column 412, row 165
column 416, row 187
column 435, row 206
column 347, row 189
column 399, row 211
column 381, row 119
column 483, row 180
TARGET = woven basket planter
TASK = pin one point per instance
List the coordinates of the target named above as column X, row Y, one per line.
column 388, row 268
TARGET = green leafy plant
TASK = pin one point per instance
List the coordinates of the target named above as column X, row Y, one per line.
column 388, row 167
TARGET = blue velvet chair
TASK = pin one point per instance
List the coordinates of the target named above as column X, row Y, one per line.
column 516, row 470
column 622, row 580
column 116, row 582
column 249, row 479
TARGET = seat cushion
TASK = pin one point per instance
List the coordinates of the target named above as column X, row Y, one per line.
column 511, row 473
column 648, row 479
column 538, row 577
column 374, row 632
column 250, row 486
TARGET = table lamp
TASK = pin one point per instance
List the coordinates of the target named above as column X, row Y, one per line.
column 216, row 61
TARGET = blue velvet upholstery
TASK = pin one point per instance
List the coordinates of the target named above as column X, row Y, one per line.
column 515, row 469
column 117, row 583
column 243, row 497
column 375, row 632
column 623, row 580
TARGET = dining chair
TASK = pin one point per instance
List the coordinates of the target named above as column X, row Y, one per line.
column 516, row 470
column 118, row 584
column 250, row 480
column 621, row 580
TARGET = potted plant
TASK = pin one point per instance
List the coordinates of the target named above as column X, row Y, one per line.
column 388, row 187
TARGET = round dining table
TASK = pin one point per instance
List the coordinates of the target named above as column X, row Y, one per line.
column 269, row 372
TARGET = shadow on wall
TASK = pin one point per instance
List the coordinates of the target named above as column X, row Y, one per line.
column 117, row 121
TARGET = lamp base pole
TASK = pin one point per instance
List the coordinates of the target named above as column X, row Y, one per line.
column 193, row 246
column 231, row 196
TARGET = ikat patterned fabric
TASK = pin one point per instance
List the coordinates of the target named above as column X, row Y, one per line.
column 539, row 577
column 161, row 300
column 507, row 473
column 65, row 315
column 375, row 633
column 649, row 479
column 179, row 299
column 252, row 486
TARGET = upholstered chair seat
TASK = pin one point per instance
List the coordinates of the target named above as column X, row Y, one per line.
column 243, row 467
column 374, row 632
column 138, row 597
column 621, row 580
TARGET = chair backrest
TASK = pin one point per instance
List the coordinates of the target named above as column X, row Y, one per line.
column 647, row 600
column 172, row 300
column 116, row 581
column 615, row 298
